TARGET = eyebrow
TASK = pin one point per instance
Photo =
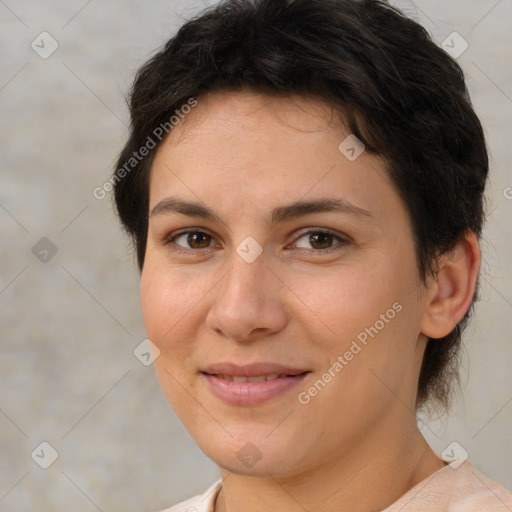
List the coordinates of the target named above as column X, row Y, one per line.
column 279, row 214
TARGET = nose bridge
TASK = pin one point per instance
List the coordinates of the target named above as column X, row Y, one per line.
column 247, row 275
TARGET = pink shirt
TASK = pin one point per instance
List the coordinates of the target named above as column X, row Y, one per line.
column 458, row 487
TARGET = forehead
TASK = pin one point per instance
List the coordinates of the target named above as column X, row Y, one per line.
column 245, row 147
column 249, row 108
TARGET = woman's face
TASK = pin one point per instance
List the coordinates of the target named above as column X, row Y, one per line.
column 244, row 283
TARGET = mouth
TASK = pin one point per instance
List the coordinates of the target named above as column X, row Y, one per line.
column 251, row 384
column 257, row 378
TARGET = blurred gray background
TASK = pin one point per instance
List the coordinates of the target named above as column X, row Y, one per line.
column 69, row 306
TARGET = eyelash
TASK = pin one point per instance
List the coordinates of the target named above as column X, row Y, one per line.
column 343, row 241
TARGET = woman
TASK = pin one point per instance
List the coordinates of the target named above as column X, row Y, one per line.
column 304, row 187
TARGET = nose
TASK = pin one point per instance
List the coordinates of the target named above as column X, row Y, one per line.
column 249, row 303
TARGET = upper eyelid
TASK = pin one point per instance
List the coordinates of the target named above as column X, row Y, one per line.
column 186, row 231
column 340, row 237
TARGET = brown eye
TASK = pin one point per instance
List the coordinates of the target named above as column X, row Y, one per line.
column 193, row 240
column 199, row 240
column 319, row 241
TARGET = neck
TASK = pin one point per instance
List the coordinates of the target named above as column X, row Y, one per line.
column 387, row 464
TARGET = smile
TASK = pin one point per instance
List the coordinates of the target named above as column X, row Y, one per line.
column 253, row 384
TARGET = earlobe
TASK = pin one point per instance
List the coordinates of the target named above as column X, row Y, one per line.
column 452, row 289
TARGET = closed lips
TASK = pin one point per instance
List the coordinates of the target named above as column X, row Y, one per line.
column 253, row 384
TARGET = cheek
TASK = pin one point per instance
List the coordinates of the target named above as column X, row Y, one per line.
column 166, row 300
column 154, row 302
column 368, row 317
column 173, row 308
column 167, row 303
column 346, row 301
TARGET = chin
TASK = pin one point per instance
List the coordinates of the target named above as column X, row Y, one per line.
column 259, row 457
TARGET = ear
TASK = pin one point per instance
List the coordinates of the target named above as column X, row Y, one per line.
column 451, row 291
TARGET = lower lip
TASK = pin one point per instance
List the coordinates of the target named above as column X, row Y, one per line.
column 251, row 393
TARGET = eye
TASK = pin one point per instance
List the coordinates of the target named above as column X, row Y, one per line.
column 320, row 241
column 317, row 240
column 193, row 240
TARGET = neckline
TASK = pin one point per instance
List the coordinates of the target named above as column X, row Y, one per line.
column 421, row 484
column 217, row 486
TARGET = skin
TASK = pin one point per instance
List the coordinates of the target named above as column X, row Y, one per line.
column 243, row 154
